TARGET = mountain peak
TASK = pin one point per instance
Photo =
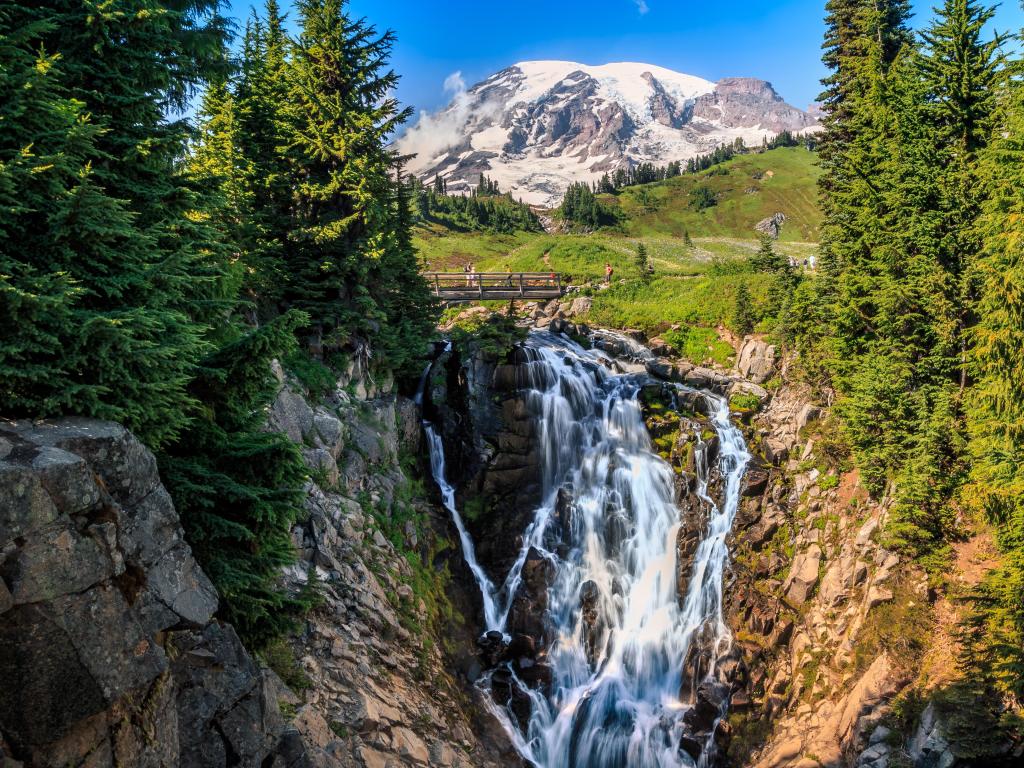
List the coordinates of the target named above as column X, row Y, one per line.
column 537, row 126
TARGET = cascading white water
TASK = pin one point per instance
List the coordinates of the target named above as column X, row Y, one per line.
column 437, row 469
column 617, row 677
column 491, row 617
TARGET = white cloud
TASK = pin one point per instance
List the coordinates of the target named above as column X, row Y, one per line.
column 454, row 83
column 641, row 5
column 435, row 133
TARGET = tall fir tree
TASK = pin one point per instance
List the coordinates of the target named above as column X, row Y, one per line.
column 239, row 488
column 862, row 40
column 127, row 270
column 742, row 320
column 344, row 247
column 263, row 141
column 995, row 413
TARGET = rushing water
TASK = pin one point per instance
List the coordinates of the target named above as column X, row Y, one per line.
column 619, row 690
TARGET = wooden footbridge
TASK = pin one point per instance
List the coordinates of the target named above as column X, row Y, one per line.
column 475, row 286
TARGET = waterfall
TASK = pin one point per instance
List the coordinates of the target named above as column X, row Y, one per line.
column 437, row 469
column 491, row 617
column 621, row 633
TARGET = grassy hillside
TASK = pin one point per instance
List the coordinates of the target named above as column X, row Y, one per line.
column 694, row 285
column 749, row 188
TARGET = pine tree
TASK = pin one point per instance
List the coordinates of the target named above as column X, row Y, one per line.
column 643, row 263
column 108, row 245
column 262, row 139
column 743, row 311
column 239, row 488
column 345, row 253
column 996, row 401
column 862, row 41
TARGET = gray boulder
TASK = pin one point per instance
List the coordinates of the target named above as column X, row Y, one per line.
column 756, row 360
column 98, row 593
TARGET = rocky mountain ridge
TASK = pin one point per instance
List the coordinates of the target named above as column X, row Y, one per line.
column 537, row 126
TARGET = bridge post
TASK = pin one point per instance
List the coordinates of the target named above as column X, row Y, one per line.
column 437, row 285
column 522, row 291
column 480, row 285
column 558, row 281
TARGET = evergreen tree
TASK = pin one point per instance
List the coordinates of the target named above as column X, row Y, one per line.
column 643, row 263
column 996, row 401
column 238, row 488
column 767, row 259
column 862, row 40
column 262, row 139
column 108, row 274
column 743, row 311
column 344, row 249
column 580, row 207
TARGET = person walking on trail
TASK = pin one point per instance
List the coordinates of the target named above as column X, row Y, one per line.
column 468, row 269
column 608, row 271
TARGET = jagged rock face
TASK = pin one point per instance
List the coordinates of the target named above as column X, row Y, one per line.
column 742, row 102
column 489, row 433
column 537, row 126
column 108, row 650
column 380, row 695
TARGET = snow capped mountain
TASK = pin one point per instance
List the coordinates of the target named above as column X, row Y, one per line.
column 539, row 125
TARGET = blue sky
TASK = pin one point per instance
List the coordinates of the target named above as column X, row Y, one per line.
column 778, row 41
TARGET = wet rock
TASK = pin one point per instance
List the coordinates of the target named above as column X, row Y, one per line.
column 705, row 378
column 711, row 701
column 661, row 368
column 531, row 600
column 660, row 347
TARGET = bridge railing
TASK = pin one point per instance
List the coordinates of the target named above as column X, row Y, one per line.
column 495, row 284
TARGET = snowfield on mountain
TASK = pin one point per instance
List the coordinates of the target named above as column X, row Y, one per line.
column 537, row 126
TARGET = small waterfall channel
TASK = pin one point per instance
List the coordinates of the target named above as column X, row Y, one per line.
column 627, row 650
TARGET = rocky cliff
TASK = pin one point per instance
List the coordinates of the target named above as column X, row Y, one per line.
column 109, row 651
column 384, row 657
column 850, row 650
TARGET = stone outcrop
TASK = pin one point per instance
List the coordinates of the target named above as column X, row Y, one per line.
column 772, row 225
column 756, row 360
column 488, row 430
column 812, row 584
column 109, row 652
column 381, row 691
